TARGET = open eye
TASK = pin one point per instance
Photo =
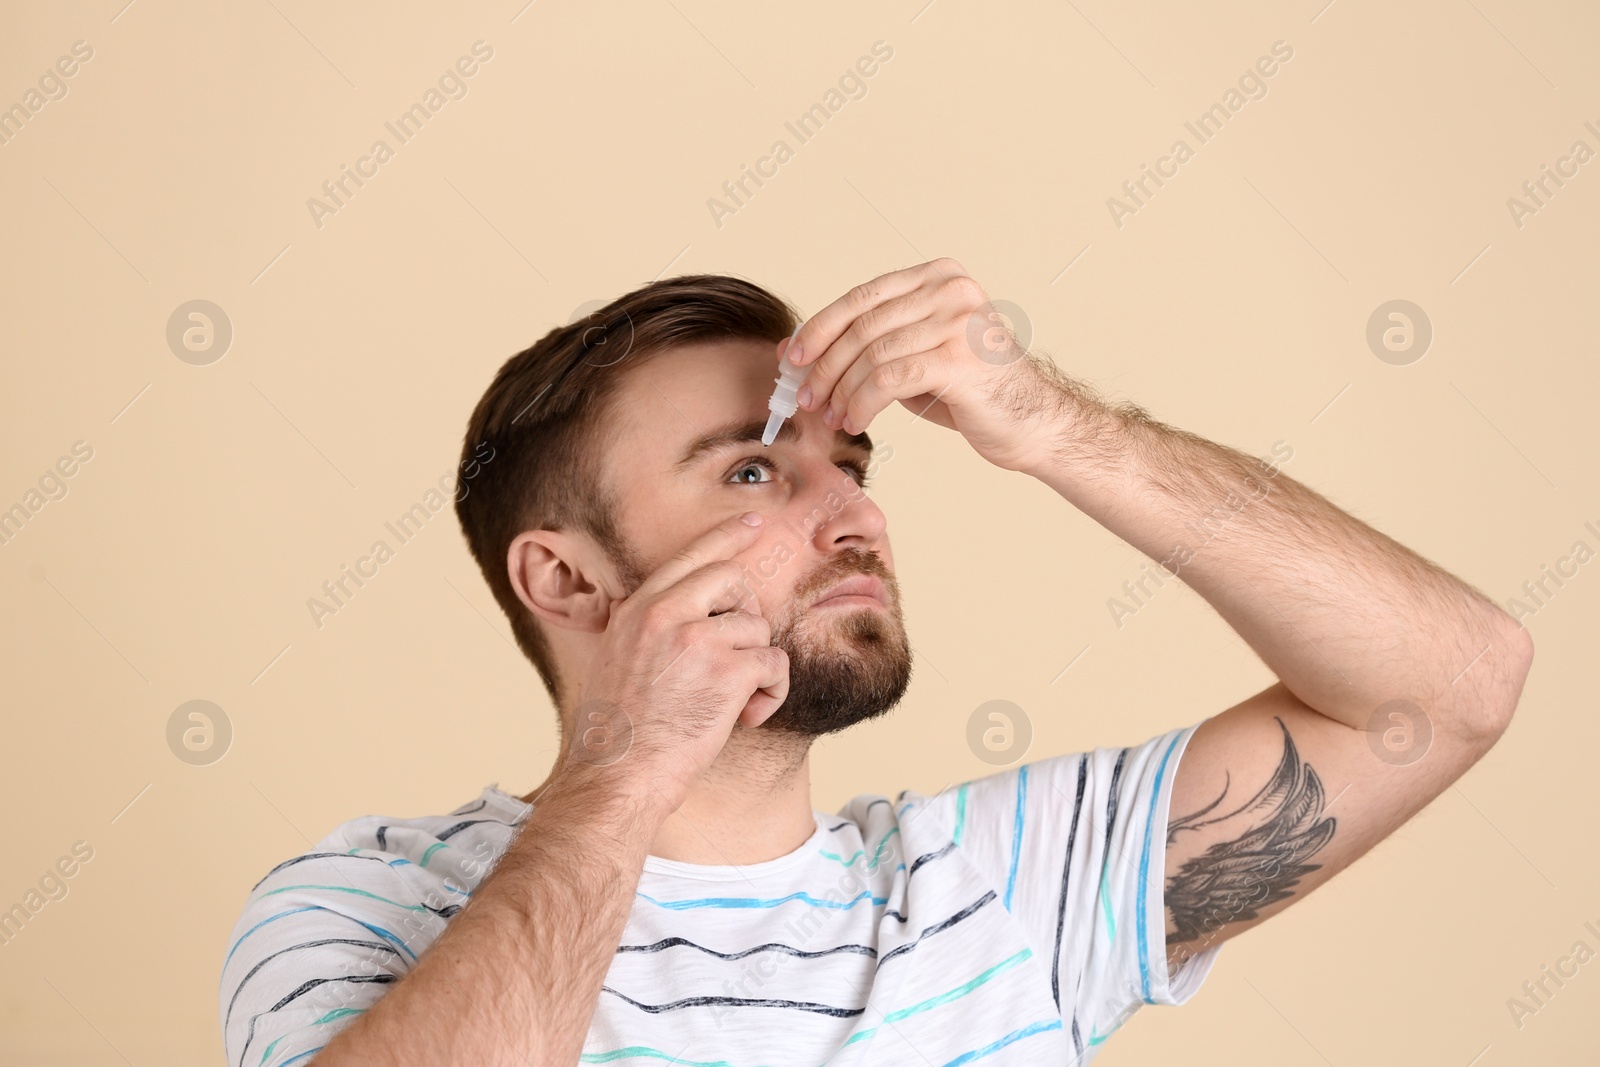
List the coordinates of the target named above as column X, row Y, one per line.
column 854, row 466
column 752, row 462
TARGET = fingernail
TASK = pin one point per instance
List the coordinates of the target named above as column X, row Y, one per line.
column 804, row 396
column 751, row 518
column 797, row 353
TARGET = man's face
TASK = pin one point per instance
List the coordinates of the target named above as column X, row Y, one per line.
column 679, row 466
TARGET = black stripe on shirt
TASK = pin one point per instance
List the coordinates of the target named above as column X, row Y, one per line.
column 927, row 856
column 737, row 1002
column 296, row 948
column 450, row 832
column 377, row 979
column 316, row 856
column 771, row 946
column 939, row 926
column 1111, row 822
column 1066, row 877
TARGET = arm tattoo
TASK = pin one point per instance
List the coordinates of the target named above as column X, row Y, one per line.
column 1232, row 880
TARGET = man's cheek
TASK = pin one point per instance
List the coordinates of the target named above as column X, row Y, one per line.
column 772, row 561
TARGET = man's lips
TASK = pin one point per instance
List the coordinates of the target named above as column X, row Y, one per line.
column 858, row 585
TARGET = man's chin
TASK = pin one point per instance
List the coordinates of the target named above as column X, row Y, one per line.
column 857, row 675
column 791, row 719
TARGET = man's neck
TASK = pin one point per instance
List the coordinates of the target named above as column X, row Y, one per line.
column 752, row 805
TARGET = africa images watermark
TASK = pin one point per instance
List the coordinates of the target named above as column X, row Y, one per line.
column 1536, row 992
column 1579, row 154
column 1565, row 567
column 763, row 963
column 999, row 732
column 782, row 551
column 339, row 591
column 416, row 929
column 1252, row 85
column 52, row 486
column 1215, row 518
column 452, row 85
column 52, row 87
column 852, row 85
column 199, row 732
column 52, row 886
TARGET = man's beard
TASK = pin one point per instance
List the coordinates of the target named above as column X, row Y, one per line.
column 846, row 664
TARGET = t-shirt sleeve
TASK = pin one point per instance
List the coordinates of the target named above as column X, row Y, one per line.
column 1076, row 846
column 321, row 938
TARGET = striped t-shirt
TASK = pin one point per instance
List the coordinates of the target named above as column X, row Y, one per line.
column 1013, row 919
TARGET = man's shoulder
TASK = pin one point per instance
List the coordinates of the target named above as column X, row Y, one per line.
column 1065, row 780
column 377, row 858
column 426, row 839
column 874, row 814
column 322, row 932
column 943, row 812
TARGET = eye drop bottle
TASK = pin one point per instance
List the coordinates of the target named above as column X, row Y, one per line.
column 783, row 404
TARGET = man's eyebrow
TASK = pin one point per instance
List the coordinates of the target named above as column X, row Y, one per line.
column 741, row 432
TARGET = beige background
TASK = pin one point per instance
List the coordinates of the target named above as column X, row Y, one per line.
column 579, row 164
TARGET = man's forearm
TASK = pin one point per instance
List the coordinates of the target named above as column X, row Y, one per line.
column 1345, row 616
column 515, row 977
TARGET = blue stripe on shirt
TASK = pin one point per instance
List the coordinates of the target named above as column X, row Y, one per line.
column 1016, row 831
column 758, row 902
column 1144, row 871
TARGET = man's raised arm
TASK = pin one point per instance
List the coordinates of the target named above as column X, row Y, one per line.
column 1395, row 676
column 1375, row 646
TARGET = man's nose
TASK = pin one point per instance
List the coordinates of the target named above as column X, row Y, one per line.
column 841, row 515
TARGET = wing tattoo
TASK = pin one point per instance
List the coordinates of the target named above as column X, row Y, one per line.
column 1232, row 880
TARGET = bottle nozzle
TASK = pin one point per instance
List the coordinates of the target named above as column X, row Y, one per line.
column 770, row 434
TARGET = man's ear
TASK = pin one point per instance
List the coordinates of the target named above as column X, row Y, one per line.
column 561, row 579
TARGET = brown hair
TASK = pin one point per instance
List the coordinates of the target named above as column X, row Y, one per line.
column 545, row 418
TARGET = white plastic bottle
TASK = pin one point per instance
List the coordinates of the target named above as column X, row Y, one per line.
column 783, row 404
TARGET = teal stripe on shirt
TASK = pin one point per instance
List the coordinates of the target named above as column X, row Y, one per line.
column 645, row 1050
column 345, row 889
column 877, row 857
column 942, row 998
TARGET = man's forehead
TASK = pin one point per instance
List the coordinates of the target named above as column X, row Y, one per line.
column 690, row 403
column 749, row 431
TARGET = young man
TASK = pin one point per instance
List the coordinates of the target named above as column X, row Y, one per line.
column 701, row 608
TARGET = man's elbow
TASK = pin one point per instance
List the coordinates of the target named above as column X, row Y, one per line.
column 1512, row 649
